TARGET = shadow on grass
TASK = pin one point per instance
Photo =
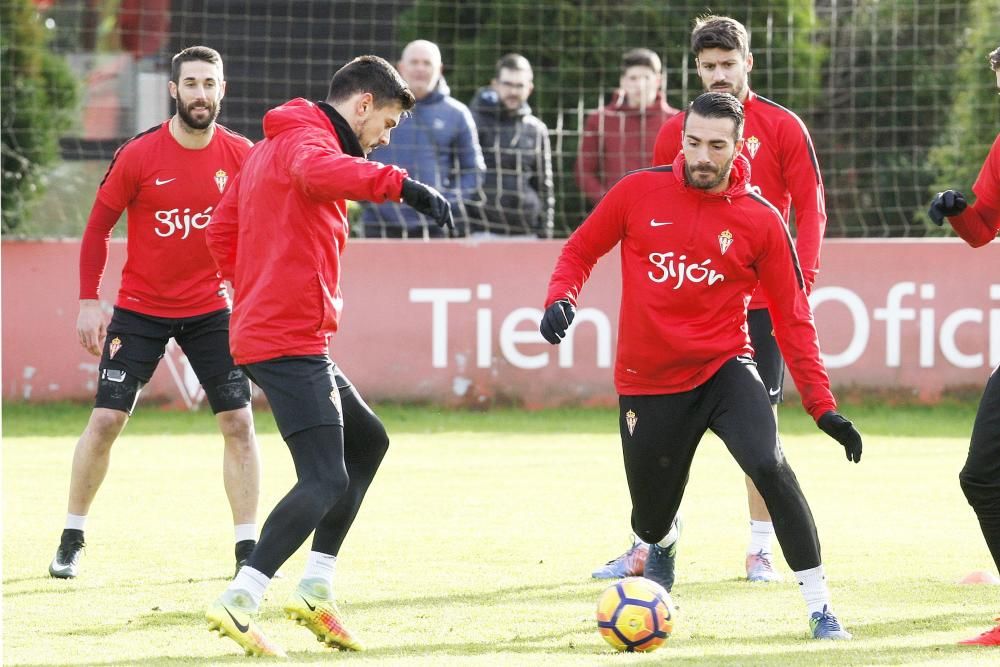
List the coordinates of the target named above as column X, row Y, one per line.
column 558, row 638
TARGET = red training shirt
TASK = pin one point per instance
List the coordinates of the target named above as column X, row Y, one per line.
column 785, row 169
column 170, row 193
column 690, row 260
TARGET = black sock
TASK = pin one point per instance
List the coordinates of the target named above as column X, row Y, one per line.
column 244, row 549
column 71, row 535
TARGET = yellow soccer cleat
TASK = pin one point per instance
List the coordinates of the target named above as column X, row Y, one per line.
column 232, row 616
column 313, row 607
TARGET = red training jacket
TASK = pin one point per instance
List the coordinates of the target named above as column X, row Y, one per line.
column 278, row 233
column 785, row 169
column 690, row 261
column 617, row 139
column 978, row 223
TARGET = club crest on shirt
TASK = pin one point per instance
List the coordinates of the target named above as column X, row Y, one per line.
column 333, row 396
column 753, row 145
column 114, row 346
column 630, row 421
column 220, row 179
column 725, row 240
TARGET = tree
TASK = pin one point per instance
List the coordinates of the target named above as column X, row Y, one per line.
column 575, row 49
column 39, row 96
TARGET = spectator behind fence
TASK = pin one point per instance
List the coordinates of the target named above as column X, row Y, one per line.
column 518, row 196
column 619, row 137
column 436, row 145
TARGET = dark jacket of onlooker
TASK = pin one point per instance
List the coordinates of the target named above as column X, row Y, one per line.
column 518, row 189
column 436, row 145
column 617, row 139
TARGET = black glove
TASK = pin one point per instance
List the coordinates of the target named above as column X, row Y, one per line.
column 425, row 199
column 945, row 205
column 556, row 320
column 842, row 430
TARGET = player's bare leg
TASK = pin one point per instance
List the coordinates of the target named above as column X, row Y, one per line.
column 91, row 459
column 760, row 561
column 241, row 476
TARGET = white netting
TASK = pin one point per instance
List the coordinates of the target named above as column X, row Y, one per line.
column 896, row 93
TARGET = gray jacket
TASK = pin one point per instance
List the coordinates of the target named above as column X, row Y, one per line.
column 517, row 190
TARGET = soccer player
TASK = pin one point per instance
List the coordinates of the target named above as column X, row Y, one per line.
column 695, row 241
column 786, row 173
column 980, row 477
column 170, row 179
column 278, row 235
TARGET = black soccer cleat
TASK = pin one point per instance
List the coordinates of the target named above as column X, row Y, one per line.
column 66, row 564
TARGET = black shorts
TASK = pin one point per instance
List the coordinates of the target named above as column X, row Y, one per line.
column 136, row 343
column 770, row 364
column 303, row 392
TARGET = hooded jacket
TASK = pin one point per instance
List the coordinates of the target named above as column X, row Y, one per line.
column 518, row 190
column 617, row 139
column 690, row 260
column 281, row 227
column 437, row 145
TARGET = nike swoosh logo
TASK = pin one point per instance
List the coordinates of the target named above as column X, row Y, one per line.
column 159, row 182
column 239, row 626
column 773, row 392
column 656, row 223
column 311, row 607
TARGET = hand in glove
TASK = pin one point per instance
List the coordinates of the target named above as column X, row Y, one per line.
column 556, row 320
column 425, row 199
column 945, row 205
column 842, row 430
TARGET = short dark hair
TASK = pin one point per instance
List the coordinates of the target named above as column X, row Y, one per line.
column 718, row 105
column 719, row 32
column 370, row 74
column 994, row 59
column 641, row 58
column 190, row 54
column 514, row 61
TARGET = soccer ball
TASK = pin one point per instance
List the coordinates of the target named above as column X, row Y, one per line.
column 635, row 614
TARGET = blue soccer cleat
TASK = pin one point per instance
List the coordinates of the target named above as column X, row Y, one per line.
column 661, row 562
column 826, row 626
column 760, row 568
column 632, row 563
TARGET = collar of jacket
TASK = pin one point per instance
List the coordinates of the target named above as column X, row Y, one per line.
column 348, row 139
column 739, row 178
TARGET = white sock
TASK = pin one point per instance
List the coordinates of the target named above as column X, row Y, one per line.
column 245, row 531
column 670, row 537
column 75, row 521
column 253, row 582
column 320, row 566
column 760, row 537
column 812, row 583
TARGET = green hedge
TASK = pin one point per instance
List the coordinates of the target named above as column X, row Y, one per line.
column 39, row 96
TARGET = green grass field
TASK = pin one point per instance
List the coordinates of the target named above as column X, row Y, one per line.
column 477, row 539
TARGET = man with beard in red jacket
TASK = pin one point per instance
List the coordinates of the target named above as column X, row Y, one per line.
column 277, row 235
column 786, row 173
column 695, row 241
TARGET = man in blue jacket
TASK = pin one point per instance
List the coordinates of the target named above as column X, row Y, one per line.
column 436, row 145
